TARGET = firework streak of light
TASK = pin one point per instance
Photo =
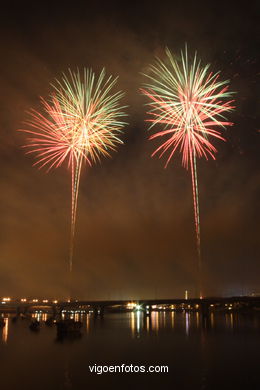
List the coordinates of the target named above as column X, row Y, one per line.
column 80, row 122
column 189, row 102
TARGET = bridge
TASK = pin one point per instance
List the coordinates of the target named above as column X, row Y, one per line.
column 146, row 305
column 99, row 307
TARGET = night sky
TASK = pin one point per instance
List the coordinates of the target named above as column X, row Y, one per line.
column 135, row 233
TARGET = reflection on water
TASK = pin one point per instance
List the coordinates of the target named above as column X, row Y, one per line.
column 172, row 319
column 5, row 330
column 202, row 354
column 87, row 322
column 148, row 323
column 132, row 323
column 197, row 319
column 155, row 320
column 212, row 320
column 187, row 323
column 231, row 320
column 140, row 322
column 40, row 316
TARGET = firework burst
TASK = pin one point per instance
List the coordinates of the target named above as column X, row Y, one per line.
column 189, row 102
column 81, row 121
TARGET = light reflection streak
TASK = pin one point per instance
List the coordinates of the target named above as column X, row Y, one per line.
column 226, row 321
column 173, row 319
column 197, row 319
column 5, row 330
column 148, row 323
column 132, row 323
column 87, row 322
column 155, row 320
column 187, row 323
column 231, row 320
column 212, row 320
column 138, row 321
column 164, row 319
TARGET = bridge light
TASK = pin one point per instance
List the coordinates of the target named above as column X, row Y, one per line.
column 55, row 301
column 35, row 300
column 131, row 305
column 138, row 307
column 23, row 300
column 6, row 299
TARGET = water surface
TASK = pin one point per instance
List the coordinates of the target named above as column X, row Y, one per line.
column 221, row 354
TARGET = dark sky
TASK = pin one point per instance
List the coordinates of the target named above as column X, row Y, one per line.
column 135, row 230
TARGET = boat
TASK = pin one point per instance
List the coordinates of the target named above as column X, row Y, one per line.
column 68, row 328
column 34, row 326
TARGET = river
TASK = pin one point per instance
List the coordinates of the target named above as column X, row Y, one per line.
column 223, row 353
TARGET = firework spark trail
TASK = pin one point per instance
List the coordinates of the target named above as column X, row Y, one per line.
column 81, row 121
column 75, row 179
column 189, row 102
